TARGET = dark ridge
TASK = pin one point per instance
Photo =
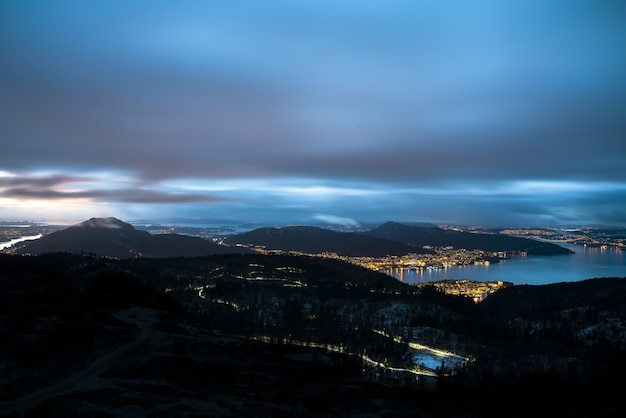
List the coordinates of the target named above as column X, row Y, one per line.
column 438, row 237
column 177, row 337
column 534, row 301
column 114, row 238
column 315, row 240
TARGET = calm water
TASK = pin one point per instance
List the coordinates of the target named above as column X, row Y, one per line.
column 585, row 263
column 7, row 244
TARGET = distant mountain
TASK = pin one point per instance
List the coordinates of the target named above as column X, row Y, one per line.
column 314, row 240
column 438, row 237
column 114, row 238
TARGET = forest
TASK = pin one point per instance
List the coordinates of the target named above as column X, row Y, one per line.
column 358, row 324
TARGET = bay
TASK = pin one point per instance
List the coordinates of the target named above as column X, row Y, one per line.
column 585, row 263
column 8, row 244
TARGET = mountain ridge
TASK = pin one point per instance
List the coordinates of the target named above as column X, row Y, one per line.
column 315, row 240
column 109, row 236
column 438, row 237
column 114, row 238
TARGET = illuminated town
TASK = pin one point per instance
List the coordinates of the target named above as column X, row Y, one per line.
column 443, row 257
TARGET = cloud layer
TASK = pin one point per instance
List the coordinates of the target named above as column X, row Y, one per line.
column 415, row 106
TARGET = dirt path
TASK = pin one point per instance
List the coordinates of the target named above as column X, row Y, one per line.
column 87, row 378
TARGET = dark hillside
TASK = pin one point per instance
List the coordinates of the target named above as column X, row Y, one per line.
column 114, row 238
column 282, row 335
column 535, row 301
column 93, row 337
column 314, row 240
column 438, row 237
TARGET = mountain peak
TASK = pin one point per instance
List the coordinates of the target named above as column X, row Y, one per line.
column 114, row 238
column 396, row 225
column 109, row 223
column 316, row 240
column 389, row 224
column 420, row 236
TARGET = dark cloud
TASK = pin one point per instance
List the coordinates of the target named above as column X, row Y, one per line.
column 124, row 195
column 41, row 182
column 390, row 95
column 54, row 187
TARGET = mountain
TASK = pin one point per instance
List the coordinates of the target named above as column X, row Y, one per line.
column 438, row 237
column 114, row 238
column 281, row 336
column 314, row 240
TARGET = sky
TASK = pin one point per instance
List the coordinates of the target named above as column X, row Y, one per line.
column 484, row 112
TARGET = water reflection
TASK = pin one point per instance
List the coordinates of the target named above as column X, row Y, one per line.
column 4, row 245
column 585, row 263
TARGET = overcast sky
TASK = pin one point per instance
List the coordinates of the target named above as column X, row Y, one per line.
column 498, row 112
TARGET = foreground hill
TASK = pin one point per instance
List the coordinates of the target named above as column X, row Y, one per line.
column 438, row 237
column 258, row 336
column 114, row 238
column 314, row 240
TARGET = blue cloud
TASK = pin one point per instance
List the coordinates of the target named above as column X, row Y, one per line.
column 321, row 96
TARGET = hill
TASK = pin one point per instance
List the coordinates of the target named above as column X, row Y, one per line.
column 114, row 238
column 254, row 335
column 438, row 237
column 315, row 240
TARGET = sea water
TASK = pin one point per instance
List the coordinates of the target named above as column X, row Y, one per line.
column 586, row 263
